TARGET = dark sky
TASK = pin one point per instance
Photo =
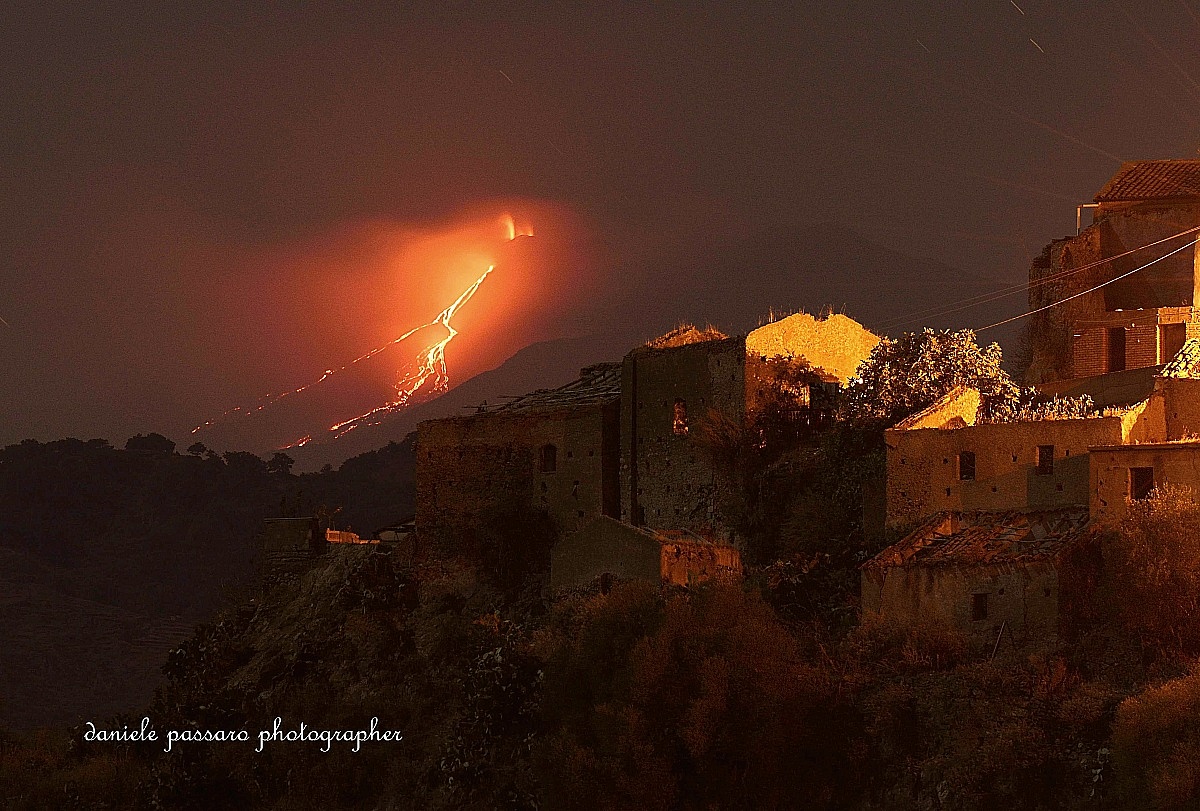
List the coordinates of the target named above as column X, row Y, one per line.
column 209, row 202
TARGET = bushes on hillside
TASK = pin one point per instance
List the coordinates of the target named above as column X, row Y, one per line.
column 1156, row 571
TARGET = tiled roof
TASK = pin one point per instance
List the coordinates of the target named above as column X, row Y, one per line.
column 1115, row 389
column 599, row 383
column 1152, row 180
column 985, row 538
column 1186, row 363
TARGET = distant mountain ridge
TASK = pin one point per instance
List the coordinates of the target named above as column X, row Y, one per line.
column 541, row 365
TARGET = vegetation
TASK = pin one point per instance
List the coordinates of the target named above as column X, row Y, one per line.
column 1156, row 559
column 767, row 694
column 907, row 374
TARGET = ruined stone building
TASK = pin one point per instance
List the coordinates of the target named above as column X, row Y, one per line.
column 607, row 548
column 1136, row 319
column 994, row 511
column 671, row 387
column 997, row 514
column 983, row 573
column 624, row 443
column 551, row 453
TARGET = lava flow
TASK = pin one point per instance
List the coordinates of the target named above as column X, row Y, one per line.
column 429, row 376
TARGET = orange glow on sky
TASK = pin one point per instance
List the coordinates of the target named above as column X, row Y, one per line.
column 410, row 311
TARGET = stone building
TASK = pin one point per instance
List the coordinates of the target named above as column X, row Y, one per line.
column 1147, row 211
column 1123, row 473
column 984, row 573
column 944, row 459
column 552, row 453
column 670, row 386
column 606, row 550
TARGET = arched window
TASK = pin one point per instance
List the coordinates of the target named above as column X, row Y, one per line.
column 679, row 417
column 548, row 459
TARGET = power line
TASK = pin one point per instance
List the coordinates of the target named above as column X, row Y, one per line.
column 1004, row 292
column 1090, row 290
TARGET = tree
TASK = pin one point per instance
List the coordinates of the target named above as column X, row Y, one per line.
column 1156, row 570
column 904, row 375
column 1156, row 745
column 705, row 696
column 280, row 463
column 151, row 443
column 197, row 449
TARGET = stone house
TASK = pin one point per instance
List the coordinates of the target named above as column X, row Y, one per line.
column 999, row 508
column 943, row 459
column 552, row 453
column 607, row 550
column 1136, row 319
column 1123, row 473
column 984, row 573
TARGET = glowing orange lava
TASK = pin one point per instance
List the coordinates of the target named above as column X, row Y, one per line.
column 430, row 375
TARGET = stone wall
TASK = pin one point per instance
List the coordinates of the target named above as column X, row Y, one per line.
column 836, row 343
column 1181, row 404
column 473, row 469
column 923, row 475
column 604, row 546
column 668, row 479
column 1024, row 597
column 1176, row 463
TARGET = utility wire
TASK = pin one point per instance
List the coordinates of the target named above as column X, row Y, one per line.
column 1090, row 290
column 1005, row 292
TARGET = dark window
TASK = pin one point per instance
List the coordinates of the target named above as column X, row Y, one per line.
column 1116, row 349
column 679, row 419
column 966, row 466
column 1045, row 460
column 979, row 607
column 1171, row 338
column 548, row 459
column 1141, row 482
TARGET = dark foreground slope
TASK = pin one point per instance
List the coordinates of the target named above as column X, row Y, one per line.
column 631, row 700
column 110, row 557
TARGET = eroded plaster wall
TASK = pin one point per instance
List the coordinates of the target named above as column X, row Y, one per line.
column 924, row 476
column 1177, row 464
column 1023, row 597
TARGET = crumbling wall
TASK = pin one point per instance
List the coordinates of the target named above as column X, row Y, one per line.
column 837, row 344
column 686, row 563
column 472, row 469
column 1054, row 277
column 1177, row 464
column 924, row 476
column 1050, row 282
column 1180, row 399
column 1022, row 597
column 603, row 546
column 668, row 479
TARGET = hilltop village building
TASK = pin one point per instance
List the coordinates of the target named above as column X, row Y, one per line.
column 672, row 386
column 552, row 453
column 625, row 443
column 999, row 514
column 1120, row 319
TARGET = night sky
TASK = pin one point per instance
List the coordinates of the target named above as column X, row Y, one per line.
column 212, row 202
